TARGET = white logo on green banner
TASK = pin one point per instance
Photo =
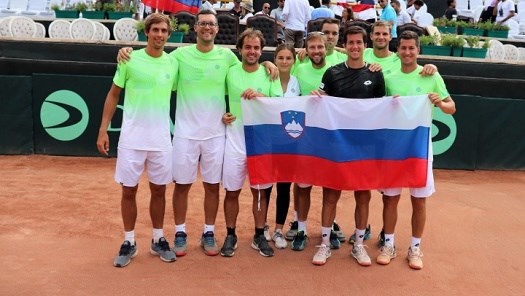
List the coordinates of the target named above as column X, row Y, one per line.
column 444, row 131
column 64, row 115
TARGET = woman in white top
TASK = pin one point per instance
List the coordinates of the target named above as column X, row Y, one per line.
column 284, row 60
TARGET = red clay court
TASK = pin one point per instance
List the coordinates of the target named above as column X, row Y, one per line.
column 60, row 228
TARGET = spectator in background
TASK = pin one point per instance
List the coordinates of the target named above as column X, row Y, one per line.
column 451, row 10
column 323, row 11
column 389, row 15
column 208, row 5
column 418, row 6
column 247, row 12
column 277, row 14
column 265, row 9
column 236, row 10
column 402, row 15
column 348, row 15
column 489, row 11
column 296, row 14
column 506, row 11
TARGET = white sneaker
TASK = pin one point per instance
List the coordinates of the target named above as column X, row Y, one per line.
column 322, row 254
column 278, row 238
column 267, row 235
column 414, row 258
column 360, row 254
column 387, row 253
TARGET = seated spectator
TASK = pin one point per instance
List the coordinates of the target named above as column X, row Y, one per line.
column 236, row 10
column 323, row 11
column 265, row 9
column 451, row 10
column 418, row 6
column 277, row 14
column 402, row 15
column 247, row 12
column 348, row 15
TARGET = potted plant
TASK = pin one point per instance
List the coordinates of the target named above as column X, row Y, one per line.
column 455, row 42
column 444, row 25
column 498, row 31
column 429, row 45
column 475, row 49
column 469, row 28
column 64, row 12
column 118, row 10
column 179, row 30
column 93, row 11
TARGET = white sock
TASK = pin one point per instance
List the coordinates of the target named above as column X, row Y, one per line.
column 359, row 236
column 209, row 228
column 389, row 240
column 157, row 234
column 294, row 216
column 130, row 236
column 180, row 228
column 416, row 241
column 301, row 226
column 325, row 235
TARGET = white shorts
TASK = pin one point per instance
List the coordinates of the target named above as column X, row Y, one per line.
column 421, row 192
column 131, row 164
column 186, row 156
column 235, row 171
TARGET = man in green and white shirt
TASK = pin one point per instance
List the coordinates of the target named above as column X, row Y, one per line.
column 148, row 81
column 244, row 81
column 407, row 81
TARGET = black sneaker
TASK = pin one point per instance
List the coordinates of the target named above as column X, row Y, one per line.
column 334, row 240
column 381, row 242
column 299, row 241
column 162, row 249
column 126, row 252
column 337, row 229
column 260, row 243
column 292, row 232
column 229, row 246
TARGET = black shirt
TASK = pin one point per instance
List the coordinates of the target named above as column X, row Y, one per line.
column 344, row 82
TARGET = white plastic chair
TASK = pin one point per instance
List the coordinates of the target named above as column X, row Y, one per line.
column 21, row 26
column 107, row 33
column 18, row 5
column 521, row 54
column 514, row 28
column 100, row 32
column 37, row 8
column 60, row 29
column 424, row 19
column 5, row 9
column 82, row 29
column 511, row 52
column 477, row 13
column 496, row 50
column 124, row 29
column 4, row 27
column 40, row 31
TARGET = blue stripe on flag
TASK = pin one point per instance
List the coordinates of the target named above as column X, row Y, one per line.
column 339, row 145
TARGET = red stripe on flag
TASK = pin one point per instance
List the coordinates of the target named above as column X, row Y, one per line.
column 355, row 175
column 170, row 6
column 356, row 7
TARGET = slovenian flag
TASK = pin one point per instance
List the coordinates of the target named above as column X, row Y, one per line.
column 348, row 144
column 174, row 6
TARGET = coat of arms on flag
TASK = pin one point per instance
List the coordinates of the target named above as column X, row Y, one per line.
column 293, row 122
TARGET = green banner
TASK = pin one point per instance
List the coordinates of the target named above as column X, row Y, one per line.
column 16, row 115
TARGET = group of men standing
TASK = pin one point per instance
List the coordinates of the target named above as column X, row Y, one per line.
column 206, row 135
